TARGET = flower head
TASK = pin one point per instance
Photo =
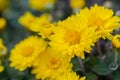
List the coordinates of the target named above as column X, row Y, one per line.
column 26, row 20
column 102, row 19
column 25, row 52
column 41, row 4
column 1, row 68
column 2, row 23
column 49, row 64
column 42, row 25
column 72, row 36
column 76, row 4
column 116, row 41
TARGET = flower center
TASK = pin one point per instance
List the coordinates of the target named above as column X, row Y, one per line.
column 72, row 37
column 54, row 63
column 27, row 51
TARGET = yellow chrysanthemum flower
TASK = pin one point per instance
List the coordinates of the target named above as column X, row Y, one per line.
column 42, row 25
column 24, row 53
column 102, row 19
column 72, row 36
column 26, row 20
column 76, row 4
column 3, row 4
column 69, row 76
column 49, row 64
column 2, row 23
column 41, row 4
column 3, row 49
column 116, row 41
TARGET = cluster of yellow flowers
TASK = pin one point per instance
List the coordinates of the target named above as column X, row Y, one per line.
column 50, row 55
column 46, row 61
column 79, row 32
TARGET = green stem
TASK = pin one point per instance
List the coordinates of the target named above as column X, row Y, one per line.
column 99, row 51
column 113, row 66
column 81, row 65
column 116, row 56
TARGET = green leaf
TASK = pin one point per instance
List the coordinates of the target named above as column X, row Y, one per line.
column 116, row 75
column 76, row 65
column 118, row 58
column 101, row 69
column 91, row 76
column 93, row 60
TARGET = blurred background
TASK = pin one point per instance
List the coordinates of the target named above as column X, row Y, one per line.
column 14, row 32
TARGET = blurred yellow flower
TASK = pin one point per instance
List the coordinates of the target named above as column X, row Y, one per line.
column 3, row 49
column 116, row 41
column 41, row 4
column 3, row 4
column 2, row 23
column 102, row 19
column 26, row 20
column 72, row 36
column 42, row 25
column 49, row 64
column 24, row 54
column 1, row 68
column 76, row 4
